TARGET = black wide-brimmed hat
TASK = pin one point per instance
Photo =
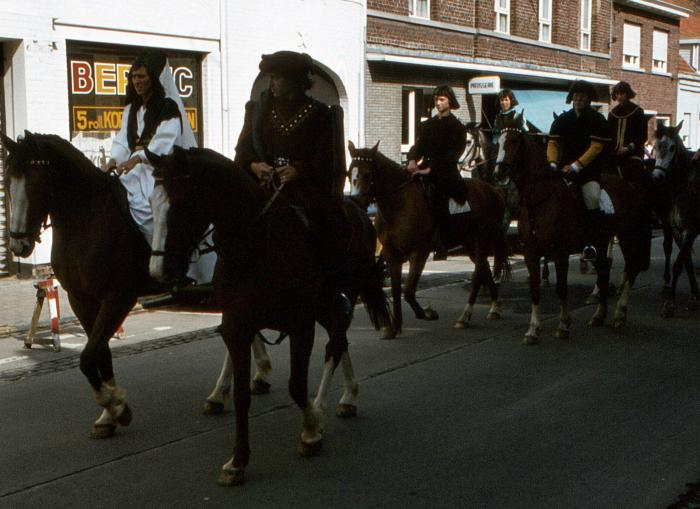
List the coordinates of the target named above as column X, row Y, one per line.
column 286, row 62
column 622, row 88
column 582, row 87
column 446, row 91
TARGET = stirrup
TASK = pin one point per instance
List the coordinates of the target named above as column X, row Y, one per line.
column 589, row 254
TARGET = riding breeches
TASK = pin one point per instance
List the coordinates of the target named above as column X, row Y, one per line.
column 590, row 191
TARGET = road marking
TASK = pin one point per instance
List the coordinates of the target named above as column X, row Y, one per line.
column 163, row 327
column 14, row 359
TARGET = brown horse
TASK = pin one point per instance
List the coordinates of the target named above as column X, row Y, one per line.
column 550, row 225
column 406, row 230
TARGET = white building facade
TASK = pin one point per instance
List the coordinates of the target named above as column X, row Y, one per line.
column 64, row 66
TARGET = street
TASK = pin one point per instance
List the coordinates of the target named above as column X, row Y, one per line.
column 447, row 418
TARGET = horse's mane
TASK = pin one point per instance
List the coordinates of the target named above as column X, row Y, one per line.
column 64, row 154
column 223, row 166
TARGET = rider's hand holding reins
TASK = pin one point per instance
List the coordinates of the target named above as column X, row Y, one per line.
column 262, row 170
column 287, row 173
column 127, row 166
column 413, row 169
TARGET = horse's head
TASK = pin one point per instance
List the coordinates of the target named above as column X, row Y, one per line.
column 362, row 172
column 30, row 192
column 667, row 147
column 510, row 143
column 179, row 215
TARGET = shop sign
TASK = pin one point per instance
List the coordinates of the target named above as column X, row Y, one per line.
column 485, row 85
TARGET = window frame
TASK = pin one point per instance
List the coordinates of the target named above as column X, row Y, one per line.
column 412, row 8
column 654, row 60
column 638, row 56
column 542, row 21
column 586, row 33
column 501, row 11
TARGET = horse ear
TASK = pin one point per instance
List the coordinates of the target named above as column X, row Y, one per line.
column 375, row 149
column 677, row 129
column 555, row 115
column 351, row 147
column 8, row 143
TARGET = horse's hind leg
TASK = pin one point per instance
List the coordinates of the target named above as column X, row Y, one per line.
column 532, row 336
column 561, row 265
column 685, row 248
column 263, row 367
column 602, row 266
column 394, row 328
column 416, row 265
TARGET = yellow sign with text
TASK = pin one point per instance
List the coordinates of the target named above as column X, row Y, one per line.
column 104, row 119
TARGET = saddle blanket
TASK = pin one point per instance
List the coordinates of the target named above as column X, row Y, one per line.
column 606, row 204
column 456, row 208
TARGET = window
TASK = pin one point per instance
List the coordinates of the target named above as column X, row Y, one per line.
column 419, row 8
column 502, row 8
column 630, row 45
column 660, row 51
column 664, row 120
column 685, row 130
column 586, row 24
column 416, row 106
column 545, row 19
column 695, row 56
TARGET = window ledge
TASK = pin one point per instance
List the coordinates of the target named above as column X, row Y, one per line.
column 661, row 73
column 633, row 69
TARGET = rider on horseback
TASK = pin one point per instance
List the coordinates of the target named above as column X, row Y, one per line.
column 628, row 127
column 440, row 144
column 290, row 136
column 577, row 139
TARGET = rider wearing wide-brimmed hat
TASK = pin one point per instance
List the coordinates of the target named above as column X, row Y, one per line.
column 440, row 143
column 292, row 136
column 628, row 125
column 576, row 145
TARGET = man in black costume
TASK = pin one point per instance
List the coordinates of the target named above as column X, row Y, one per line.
column 290, row 136
column 628, row 126
column 576, row 145
column 441, row 142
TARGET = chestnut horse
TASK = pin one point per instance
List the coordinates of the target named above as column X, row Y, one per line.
column 550, row 225
column 267, row 276
column 406, row 230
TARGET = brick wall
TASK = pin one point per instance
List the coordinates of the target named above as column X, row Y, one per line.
column 390, row 6
column 654, row 92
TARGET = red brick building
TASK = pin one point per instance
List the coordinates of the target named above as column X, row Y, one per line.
column 535, row 47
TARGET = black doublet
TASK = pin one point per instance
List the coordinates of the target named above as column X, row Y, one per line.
column 628, row 126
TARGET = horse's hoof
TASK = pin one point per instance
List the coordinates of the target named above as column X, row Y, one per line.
column 345, row 411
column 668, row 310
column 100, row 431
column 562, row 334
column 530, row 340
column 596, row 321
column 125, row 417
column 461, row 324
column 593, row 299
column 213, row 408
column 430, row 315
column 308, row 450
column 388, row 333
column 493, row 315
column 259, row 387
column 232, row 477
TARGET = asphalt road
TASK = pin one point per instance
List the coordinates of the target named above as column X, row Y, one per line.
column 447, row 418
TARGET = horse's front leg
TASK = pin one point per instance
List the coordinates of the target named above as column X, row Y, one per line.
column 238, row 339
column 416, row 264
column 620, row 317
column 668, row 248
column 561, row 265
column 684, row 251
column 602, row 266
column 532, row 261
column 300, row 346
column 394, row 328
column 96, row 361
column 347, row 407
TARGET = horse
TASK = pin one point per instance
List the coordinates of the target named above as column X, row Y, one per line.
column 267, row 276
column 676, row 169
column 550, row 225
column 406, row 229
column 98, row 254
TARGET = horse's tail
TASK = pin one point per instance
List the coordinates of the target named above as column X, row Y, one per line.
column 373, row 296
column 501, row 264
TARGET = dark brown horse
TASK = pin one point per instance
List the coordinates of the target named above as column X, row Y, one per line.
column 406, row 231
column 98, row 254
column 676, row 170
column 267, row 275
column 550, row 225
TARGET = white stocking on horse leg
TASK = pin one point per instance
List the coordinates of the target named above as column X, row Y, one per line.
column 464, row 319
column 495, row 311
column 311, row 433
column 263, row 367
column 113, row 401
column 348, row 403
column 221, row 394
column 532, row 336
column 620, row 318
column 564, row 322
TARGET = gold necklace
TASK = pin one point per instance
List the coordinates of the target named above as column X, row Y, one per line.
column 286, row 127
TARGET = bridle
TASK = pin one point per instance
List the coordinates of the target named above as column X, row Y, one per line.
column 44, row 225
column 372, row 193
column 507, row 165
